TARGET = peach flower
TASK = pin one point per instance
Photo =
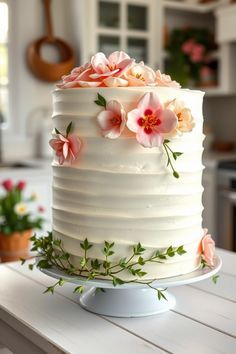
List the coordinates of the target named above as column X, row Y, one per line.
column 140, row 75
column 79, row 77
column 112, row 120
column 150, row 121
column 183, row 114
column 208, row 248
column 165, row 80
column 66, row 148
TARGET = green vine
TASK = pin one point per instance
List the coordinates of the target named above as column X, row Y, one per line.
column 174, row 154
column 204, row 264
column 50, row 253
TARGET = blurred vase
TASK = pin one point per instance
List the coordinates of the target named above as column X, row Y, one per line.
column 14, row 246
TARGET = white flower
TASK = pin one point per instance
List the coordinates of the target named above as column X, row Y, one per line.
column 21, row 209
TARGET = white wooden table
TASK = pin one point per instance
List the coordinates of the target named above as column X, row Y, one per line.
column 203, row 321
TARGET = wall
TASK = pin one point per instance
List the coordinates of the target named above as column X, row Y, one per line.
column 28, row 93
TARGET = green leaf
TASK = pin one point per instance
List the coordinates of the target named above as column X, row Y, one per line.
column 57, row 242
column 141, row 261
column 166, row 141
column 22, row 261
column 50, row 289
column 68, row 129
column 138, row 249
column 79, row 289
column 162, row 256
column 95, row 264
column 117, row 281
column 85, row 245
column 178, row 153
column 101, row 101
column 31, row 266
column 57, row 131
column 175, row 174
column 83, row 262
column 44, row 264
column 122, row 262
column 160, row 294
column 180, row 250
column 215, row 278
column 61, row 282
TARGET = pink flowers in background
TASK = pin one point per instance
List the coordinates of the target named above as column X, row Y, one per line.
column 8, row 185
column 194, row 50
column 150, row 121
column 208, row 248
column 112, row 120
column 66, row 147
column 116, row 70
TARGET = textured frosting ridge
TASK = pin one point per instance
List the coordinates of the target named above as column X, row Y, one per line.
column 118, row 190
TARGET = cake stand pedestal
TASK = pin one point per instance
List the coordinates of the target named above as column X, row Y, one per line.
column 131, row 300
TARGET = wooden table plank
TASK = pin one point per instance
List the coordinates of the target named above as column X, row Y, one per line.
column 60, row 322
column 172, row 331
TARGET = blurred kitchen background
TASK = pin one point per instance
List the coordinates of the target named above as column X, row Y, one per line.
column 193, row 40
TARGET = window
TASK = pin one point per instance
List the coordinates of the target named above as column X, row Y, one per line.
column 4, row 49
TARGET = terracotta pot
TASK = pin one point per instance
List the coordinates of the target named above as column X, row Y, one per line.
column 14, row 246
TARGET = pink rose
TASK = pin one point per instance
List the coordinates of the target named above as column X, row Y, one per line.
column 197, row 54
column 165, row 80
column 112, row 120
column 150, row 121
column 21, row 185
column 187, row 47
column 41, row 209
column 208, row 248
column 66, row 148
column 8, row 184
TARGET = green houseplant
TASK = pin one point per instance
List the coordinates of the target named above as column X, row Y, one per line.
column 17, row 220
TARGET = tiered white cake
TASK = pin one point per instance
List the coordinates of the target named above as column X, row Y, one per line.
column 120, row 191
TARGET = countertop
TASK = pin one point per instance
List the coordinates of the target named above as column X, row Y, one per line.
column 203, row 320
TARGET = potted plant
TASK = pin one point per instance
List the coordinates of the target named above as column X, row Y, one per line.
column 17, row 220
column 190, row 57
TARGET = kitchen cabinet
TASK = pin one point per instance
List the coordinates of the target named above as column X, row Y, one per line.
column 128, row 25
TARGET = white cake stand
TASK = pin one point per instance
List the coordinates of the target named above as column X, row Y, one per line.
column 131, row 300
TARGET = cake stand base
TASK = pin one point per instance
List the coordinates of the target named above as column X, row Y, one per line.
column 125, row 302
column 131, row 299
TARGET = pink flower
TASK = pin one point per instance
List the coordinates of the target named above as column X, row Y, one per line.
column 150, row 121
column 187, row 47
column 79, row 77
column 41, row 209
column 67, row 148
column 8, row 184
column 140, row 75
column 165, row 80
column 21, row 185
column 208, row 248
column 197, row 54
column 205, row 71
column 115, row 65
column 112, row 120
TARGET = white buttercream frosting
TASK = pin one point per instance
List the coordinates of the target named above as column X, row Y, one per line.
column 118, row 190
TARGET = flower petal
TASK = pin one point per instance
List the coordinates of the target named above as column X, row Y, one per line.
column 75, row 144
column 105, row 74
column 115, row 107
column 104, row 119
column 65, row 150
column 100, row 63
column 149, row 101
column 89, row 83
column 115, row 82
column 132, row 122
column 149, row 140
column 168, row 121
column 133, row 81
column 117, row 57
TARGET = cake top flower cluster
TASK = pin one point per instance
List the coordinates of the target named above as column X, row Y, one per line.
column 116, row 70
